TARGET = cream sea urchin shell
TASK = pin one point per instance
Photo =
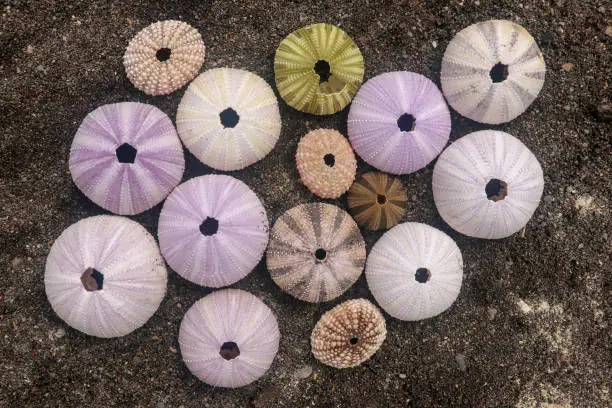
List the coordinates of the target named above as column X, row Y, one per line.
column 492, row 71
column 229, row 118
column 229, row 338
column 414, row 271
column 163, row 57
column 105, row 276
column 487, row 184
column 316, row 252
column 349, row 334
column 326, row 163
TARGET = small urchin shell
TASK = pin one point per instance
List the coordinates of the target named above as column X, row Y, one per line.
column 229, row 338
column 399, row 122
column 348, row 334
column 105, row 276
column 163, row 57
column 318, row 69
column 326, row 163
column 492, row 71
column 316, row 252
column 377, row 200
column 126, row 157
column 213, row 230
column 487, row 184
column 229, row 118
column 415, row 271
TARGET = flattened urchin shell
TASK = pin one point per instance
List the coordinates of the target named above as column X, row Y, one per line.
column 126, row 157
column 326, row 163
column 414, row 271
column 229, row 118
column 377, row 200
column 213, row 230
column 399, row 122
column 316, row 252
column 476, row 62
column 314, row 49
column 349, row 334
column 229, row 338
column 105, row 276
column 163, row 57
column 467, row 194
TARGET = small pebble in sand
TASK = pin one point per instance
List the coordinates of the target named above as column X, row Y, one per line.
column 303, row 372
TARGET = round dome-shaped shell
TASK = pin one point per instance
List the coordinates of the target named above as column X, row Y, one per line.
column 163, row 57
column 377, row 200
column 105, row 276
column 126, row 157
column 229, row 118
column 213, row 230
column 326, row 163
column 229, row 338
column 316, row 252
column 399, row 122
column 414, row 271
column 348, row 334
column 318, row 69
column 492, row 71
column 487, row 184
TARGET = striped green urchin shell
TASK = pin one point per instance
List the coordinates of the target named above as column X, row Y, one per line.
column 305, row 87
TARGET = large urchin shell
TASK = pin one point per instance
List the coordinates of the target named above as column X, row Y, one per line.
column 377, row 200
column 318, row 69
column 316, row 252
column 229, row 118
column 213, row 230
column 349, row 334
column 105, row 276
column 487, row 184
column 229, row 338
column 163, row 57
column 492, row 71
column 399, row 122
column 326, row 163
column 414, row 271
column 126, row 157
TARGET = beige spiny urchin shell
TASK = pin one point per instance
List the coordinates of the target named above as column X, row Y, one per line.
column 349, row 334
column 155, row 73
column 326, row 163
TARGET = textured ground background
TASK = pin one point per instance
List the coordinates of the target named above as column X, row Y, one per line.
column 531, row 325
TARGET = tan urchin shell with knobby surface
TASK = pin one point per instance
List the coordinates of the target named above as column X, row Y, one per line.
column 349, row 334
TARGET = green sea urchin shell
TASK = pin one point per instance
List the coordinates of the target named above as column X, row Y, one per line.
column 298, row 82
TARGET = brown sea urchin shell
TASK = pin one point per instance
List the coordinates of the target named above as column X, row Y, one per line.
column 349, row 334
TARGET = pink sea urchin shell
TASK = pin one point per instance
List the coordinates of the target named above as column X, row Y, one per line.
column 229, row 338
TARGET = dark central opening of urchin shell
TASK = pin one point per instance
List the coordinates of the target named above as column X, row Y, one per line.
column 422, row 275
column 329, row 159
column 499, row 72
column 209, row 226
column 163, row 54
column 229, row 350
column 92, row 280
column 126, row 153
column 323, row 70
column 496, row 189
column 381, row 199
column 229, row 118
column 406, row 122
column 353, row 340
column 320, row 254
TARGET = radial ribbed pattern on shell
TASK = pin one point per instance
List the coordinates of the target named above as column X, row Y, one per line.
column 349, row 334
column 492, row 71
column 133, row 276
column 126, row 157
column 252, row 125
column 163, row 57
column 229, row 316
column 462, row 176
column 326, row 163
column 213, row 230
column 399, row 122
column 294, row 68
column 316, row 252
column 414, row 271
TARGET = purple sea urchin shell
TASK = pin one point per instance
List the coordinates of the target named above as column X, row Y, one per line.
column 213, row 230
column 126, row 157
column 399, row 122
column 229, row 338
